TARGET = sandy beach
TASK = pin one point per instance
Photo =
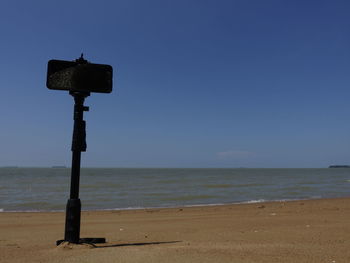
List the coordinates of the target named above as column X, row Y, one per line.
column 295, row 231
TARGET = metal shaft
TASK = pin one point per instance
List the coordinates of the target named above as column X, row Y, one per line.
column 73, row 209
column 75, row 175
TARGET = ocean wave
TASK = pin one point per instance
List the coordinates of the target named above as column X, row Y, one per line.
column 30, row 211
column 219, row 185
column 188, row 197
column 253, row 201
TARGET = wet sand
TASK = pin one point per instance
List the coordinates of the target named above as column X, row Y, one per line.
column 296, row 231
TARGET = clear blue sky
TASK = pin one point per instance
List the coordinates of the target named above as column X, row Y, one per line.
column 197, row 83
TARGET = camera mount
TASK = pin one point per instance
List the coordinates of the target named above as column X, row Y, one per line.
column 67, row 75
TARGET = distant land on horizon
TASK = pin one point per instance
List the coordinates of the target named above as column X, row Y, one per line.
column 110, row 167
column 339, row 166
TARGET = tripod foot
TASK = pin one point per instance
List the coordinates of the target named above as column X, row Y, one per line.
column 88, row 240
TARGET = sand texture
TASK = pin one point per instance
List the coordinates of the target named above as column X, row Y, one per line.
column 299, row 231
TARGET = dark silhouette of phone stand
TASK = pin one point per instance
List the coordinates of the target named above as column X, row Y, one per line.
column 80, row 78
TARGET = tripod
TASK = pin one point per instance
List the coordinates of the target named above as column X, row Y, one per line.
column 73, row 208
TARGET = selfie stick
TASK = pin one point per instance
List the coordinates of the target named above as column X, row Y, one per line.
column 73, row 209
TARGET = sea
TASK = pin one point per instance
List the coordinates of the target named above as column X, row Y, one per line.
column 47, row 189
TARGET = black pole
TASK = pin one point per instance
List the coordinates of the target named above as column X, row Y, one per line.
column 73, row 209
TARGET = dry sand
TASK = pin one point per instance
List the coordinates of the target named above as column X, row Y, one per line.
column 299, row 231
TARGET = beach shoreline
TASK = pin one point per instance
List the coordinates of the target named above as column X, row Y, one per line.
column 316, row 230
column 173, row 207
